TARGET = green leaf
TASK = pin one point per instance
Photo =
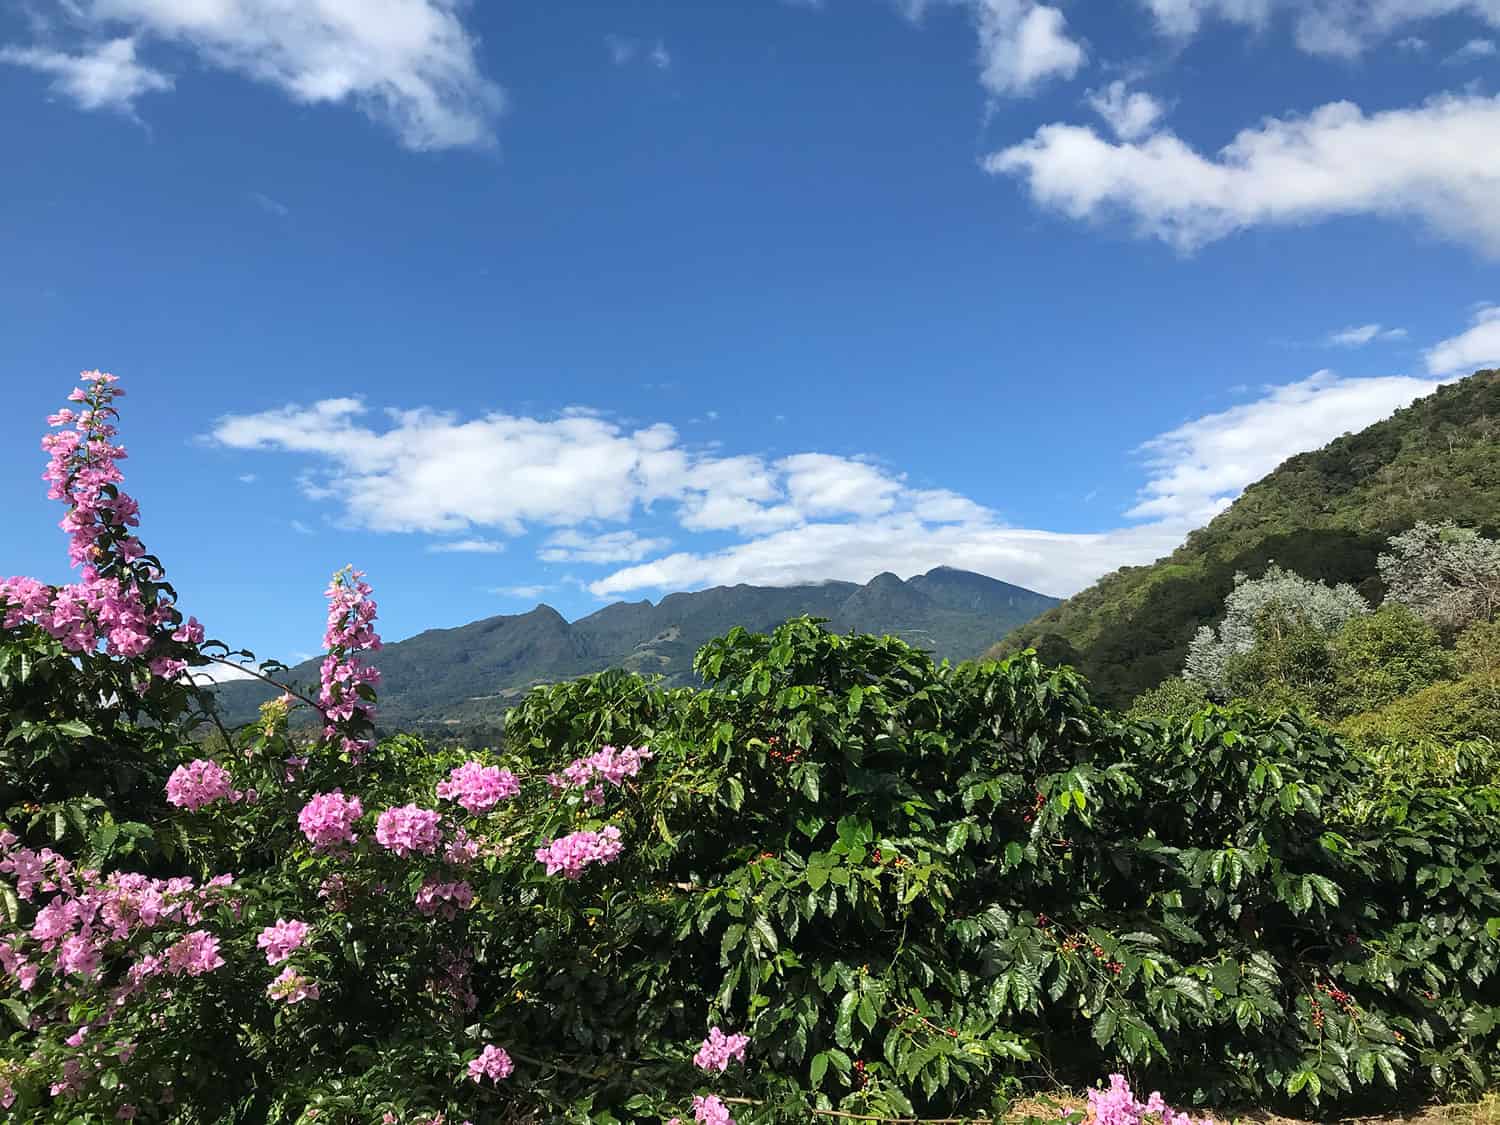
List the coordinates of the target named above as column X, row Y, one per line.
column 818, row 1069
column 1104, row 1026
column 843, row 1029
column 732, row 938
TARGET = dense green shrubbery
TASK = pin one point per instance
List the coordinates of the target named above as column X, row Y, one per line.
column 977, row 849
column 914, row 887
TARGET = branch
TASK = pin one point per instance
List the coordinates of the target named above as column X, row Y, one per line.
column 266, row 679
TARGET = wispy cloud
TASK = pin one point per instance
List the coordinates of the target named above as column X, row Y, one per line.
column 467, row 547
column 1473, row 51
column 1198, row 468
column 414, row 68
column 301, row 528
column 269, row 205
column 247, row 478
column 624, row 50
column 1478, row 347
column 1360, row 335
column 522, row 593
column 103, row 75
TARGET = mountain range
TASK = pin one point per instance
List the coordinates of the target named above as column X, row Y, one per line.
column 1325, row 514
column 469, row 675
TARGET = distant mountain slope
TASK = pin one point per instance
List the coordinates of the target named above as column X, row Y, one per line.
column 1325, row 514
column 477, row 670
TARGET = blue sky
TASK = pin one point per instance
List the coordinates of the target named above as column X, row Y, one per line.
column 575, row 302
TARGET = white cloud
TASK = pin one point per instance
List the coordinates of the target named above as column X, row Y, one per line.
column 1359, row 336
column 408, row 64
column 301, row 528
column 523, row 593
column 1339, row 28
column 247, row 478
column 1199, row 467
column 1128, row 113
column 1050, row 562
column 802, row 518
column 1478, row 347
column 1473, row 50
column 1346, row 28
column 1184, row 17
column 1413, row 43
column 221, row 673
column 624, row 50
column 1022, row 44
column 609, row 547
column 101, row 76
column 621, row 50
column 1437, row 163
column 467, row 547
column 269, row 205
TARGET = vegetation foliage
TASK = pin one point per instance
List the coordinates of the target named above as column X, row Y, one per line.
column 1325, row 515
column 913, row 887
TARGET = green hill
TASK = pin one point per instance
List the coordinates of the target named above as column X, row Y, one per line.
column 471, row 674
column 1325, row 515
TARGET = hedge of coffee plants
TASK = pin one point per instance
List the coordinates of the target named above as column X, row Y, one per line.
column 836, row 877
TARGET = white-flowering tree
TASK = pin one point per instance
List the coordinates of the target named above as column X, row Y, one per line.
column 1297, row 599
column 1449, row 575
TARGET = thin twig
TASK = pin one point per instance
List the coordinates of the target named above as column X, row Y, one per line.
column 267, row 679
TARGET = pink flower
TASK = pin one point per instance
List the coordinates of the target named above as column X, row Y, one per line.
column 292, row 987
column 477, row 787
column 195, row 953
column 493, row 1063
column 328, row 819
column 571, row 854
column 408, row 830
column 711, row 1111
column 716, row 1051
column 282, row 940
column 200, row 782
column 445, row 899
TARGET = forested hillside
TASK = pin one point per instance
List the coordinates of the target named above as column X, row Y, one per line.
column 1325, row 515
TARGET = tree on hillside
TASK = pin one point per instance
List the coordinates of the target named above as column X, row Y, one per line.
column 1450, row 575
column 1380, row 656
column 1272, row 607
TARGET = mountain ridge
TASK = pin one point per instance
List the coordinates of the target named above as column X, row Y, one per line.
column 470, row 672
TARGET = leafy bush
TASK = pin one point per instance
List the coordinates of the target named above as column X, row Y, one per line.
column 909, row 886
column 1174, row 698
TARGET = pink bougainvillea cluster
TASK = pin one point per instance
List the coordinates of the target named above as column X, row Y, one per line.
column 715, row 1052
column 576, row 851
column 493, row 1063
column 327, row 820
column 478, row 787
column 609, row 763
column 198, row 783
column 1118, row 1105
column 409, row 830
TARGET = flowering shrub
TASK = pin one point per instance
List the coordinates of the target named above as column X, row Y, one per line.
column 906, row 885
